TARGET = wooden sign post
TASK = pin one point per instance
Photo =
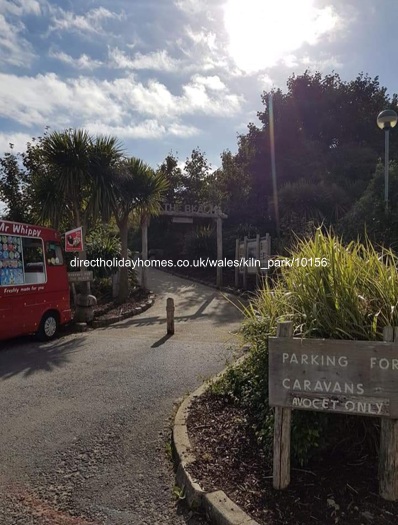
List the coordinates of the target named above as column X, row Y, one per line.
column 282, row 424
column 337, row 376
column 388, row 453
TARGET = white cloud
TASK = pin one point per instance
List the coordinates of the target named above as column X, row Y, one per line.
column 192, row 7
column 218, row 103
column 265, row 81
column 31, row 6
column 47, row 99
column 207, row 52
column 321, row 64
column 14, row 48
column 290, row 60
column 20, row 7
column 207, row 38
column 147, row 129
column 90, row 22
column 83, row 62
column 19, row 140
column 203, row 56
column 212, row 82
column 182, row 130
column 156, row 61
column 154, row 99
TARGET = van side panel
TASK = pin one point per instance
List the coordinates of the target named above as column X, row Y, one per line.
column 45, row 286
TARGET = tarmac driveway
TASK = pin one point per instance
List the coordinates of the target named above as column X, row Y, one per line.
column 85, row 419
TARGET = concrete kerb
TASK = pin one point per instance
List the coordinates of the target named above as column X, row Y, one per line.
column 218, row 507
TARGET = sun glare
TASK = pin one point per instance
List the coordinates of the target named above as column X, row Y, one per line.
column 262, row 32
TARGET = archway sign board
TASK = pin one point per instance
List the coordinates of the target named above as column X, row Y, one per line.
column 205, row 211
column 186, row 213
column 335, row 376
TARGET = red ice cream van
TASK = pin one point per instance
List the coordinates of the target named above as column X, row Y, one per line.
column 34, row 289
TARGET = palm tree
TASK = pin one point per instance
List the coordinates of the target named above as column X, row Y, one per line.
column 105, row 154
column 66, row 157
column 137, row 190
column 77, row 171
column 72, row 178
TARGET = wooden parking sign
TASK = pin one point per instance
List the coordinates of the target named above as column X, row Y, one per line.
column 335, row 376
column 80, row 277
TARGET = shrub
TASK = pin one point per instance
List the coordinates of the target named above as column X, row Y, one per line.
column 353, row 296
column 103, row 243
column 201, row 243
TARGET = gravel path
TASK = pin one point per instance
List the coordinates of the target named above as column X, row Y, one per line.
column 85, row 420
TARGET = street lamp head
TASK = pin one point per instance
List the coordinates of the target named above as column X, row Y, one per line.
column 387, row 119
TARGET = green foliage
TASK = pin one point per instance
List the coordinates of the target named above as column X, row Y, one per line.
column 174, row 177
column 62, row 179
column 136, row 191
column 194, row 184
column 320, row 201
column 136, row 188
column 229, row 187
column 178, row 492
column 201, row 243
column 196, row 172
column 353, row 296
column 325, row 133
column 103, row 243
column 12, row 188
column 101, row 288
column 368, row 217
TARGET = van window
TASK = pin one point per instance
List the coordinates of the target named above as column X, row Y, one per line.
column 11, row 260
column 33, row 261
column 54, row 256
column 21, row 261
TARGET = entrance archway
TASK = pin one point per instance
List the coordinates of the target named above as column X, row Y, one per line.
column 181, row 213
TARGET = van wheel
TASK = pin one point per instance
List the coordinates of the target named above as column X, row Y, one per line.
column 48, row 326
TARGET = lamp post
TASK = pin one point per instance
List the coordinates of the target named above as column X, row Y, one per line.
column 386, row 120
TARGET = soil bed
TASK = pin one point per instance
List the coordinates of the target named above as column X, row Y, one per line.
column 332, row 491
column 111, row 309
column 108, row 309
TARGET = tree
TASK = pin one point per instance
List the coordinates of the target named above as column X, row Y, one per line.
column 229, row 187
column 13, row 188
column 77, row 168
column 136, row 189
column 195, row 177
column 174, row 177
column 368, row 217
column 190, row 184
column 324, row 131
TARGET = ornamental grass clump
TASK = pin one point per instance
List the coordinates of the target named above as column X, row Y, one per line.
column 333, row 291
column 328, row 290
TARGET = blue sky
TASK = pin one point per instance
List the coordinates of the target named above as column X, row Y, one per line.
column 172, row 75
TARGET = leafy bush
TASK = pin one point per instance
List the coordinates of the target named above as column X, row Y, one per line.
column 103, row 243
column 353, row 296
column 368, row 218
column 201, row 243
